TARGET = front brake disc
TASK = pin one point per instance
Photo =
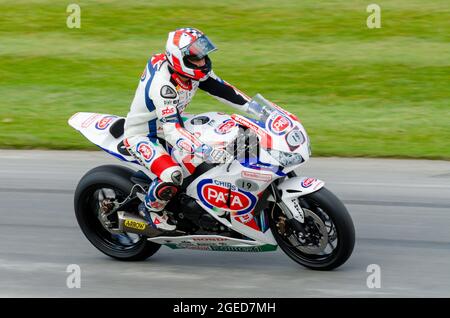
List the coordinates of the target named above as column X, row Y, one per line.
column 306, row 246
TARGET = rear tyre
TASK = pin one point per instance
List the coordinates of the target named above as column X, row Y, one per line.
column 116, row 179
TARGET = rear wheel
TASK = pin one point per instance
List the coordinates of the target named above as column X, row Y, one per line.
column 328, row 236
column 113, row 183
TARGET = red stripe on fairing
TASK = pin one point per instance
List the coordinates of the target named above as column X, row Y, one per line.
column 188, row 164
column 266, row 140
column 187, row 134
column 292, row 116
column 162, row 163
column 253, row 225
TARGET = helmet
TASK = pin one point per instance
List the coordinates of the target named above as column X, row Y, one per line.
column 189, row 43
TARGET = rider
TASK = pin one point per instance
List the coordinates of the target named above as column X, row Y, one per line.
column 167, row 85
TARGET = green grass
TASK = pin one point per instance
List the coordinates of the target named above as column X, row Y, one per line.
column 359, row 92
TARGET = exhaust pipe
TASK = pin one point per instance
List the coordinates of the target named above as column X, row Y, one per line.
column 133, row 224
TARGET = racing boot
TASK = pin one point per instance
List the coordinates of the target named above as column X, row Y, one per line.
column 158, row 195
column 157, row 219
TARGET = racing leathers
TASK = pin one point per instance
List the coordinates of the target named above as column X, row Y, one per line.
column 154, row 124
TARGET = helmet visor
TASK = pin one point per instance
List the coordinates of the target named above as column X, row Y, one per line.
column 199, row 48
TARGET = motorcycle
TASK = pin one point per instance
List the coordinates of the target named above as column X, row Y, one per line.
column 254, row 202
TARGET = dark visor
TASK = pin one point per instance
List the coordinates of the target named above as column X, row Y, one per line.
column 199, row 48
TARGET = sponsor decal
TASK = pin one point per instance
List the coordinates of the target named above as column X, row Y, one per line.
column 168, row 92
column 209, row 239
column 266, row 140
column 245, row 218
column 145, row 150
column 132, row 224
column 279, row 124
column 263, row 248
column 104, row 123
column 90, row 120
column 168, row 111
column 225, row 127
column 185, row 145
column 256, row 176
column 294, row 139
column 200, row 120
column 223, row 248
column 225, row 195
column 306, row 183
column 144, row 74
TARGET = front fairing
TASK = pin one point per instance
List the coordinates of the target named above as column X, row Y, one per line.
column 282, row 137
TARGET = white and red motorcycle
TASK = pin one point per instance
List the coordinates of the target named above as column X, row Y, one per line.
column 252, row 203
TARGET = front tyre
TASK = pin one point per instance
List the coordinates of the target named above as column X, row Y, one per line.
column 328, row 237
column 115, row 182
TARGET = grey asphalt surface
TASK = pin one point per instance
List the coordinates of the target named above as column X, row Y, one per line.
column 401, row 211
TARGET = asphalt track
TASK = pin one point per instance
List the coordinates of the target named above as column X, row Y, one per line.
column 401, row 211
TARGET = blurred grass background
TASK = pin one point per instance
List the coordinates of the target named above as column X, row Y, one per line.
column 358, row 91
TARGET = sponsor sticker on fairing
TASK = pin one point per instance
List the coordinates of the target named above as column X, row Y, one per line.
column 256, row 176
column 225, row 127
column 185, row 145
column 90, row 120
column 306, row 183
column 145, row 150
column 294, row 139
column 224, row 195
column 279, row 124
column 245, row 218
column 104, row 123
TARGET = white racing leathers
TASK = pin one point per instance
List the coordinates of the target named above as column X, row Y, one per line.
column 154, row 127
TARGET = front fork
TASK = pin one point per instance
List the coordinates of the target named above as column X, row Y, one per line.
column 287, row 193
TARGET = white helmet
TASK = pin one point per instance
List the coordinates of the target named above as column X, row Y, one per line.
column 189, row 43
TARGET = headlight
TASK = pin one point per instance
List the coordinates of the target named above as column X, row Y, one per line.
column 286, row 159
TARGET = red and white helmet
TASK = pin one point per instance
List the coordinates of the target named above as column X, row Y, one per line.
column 189, row 43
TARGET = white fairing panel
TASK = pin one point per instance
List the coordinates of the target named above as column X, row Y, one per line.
column 234, row 191
column 212, row 128
column 95, row 127
column 299, row 186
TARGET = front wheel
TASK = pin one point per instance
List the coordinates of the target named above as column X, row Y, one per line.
column 326, row 238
